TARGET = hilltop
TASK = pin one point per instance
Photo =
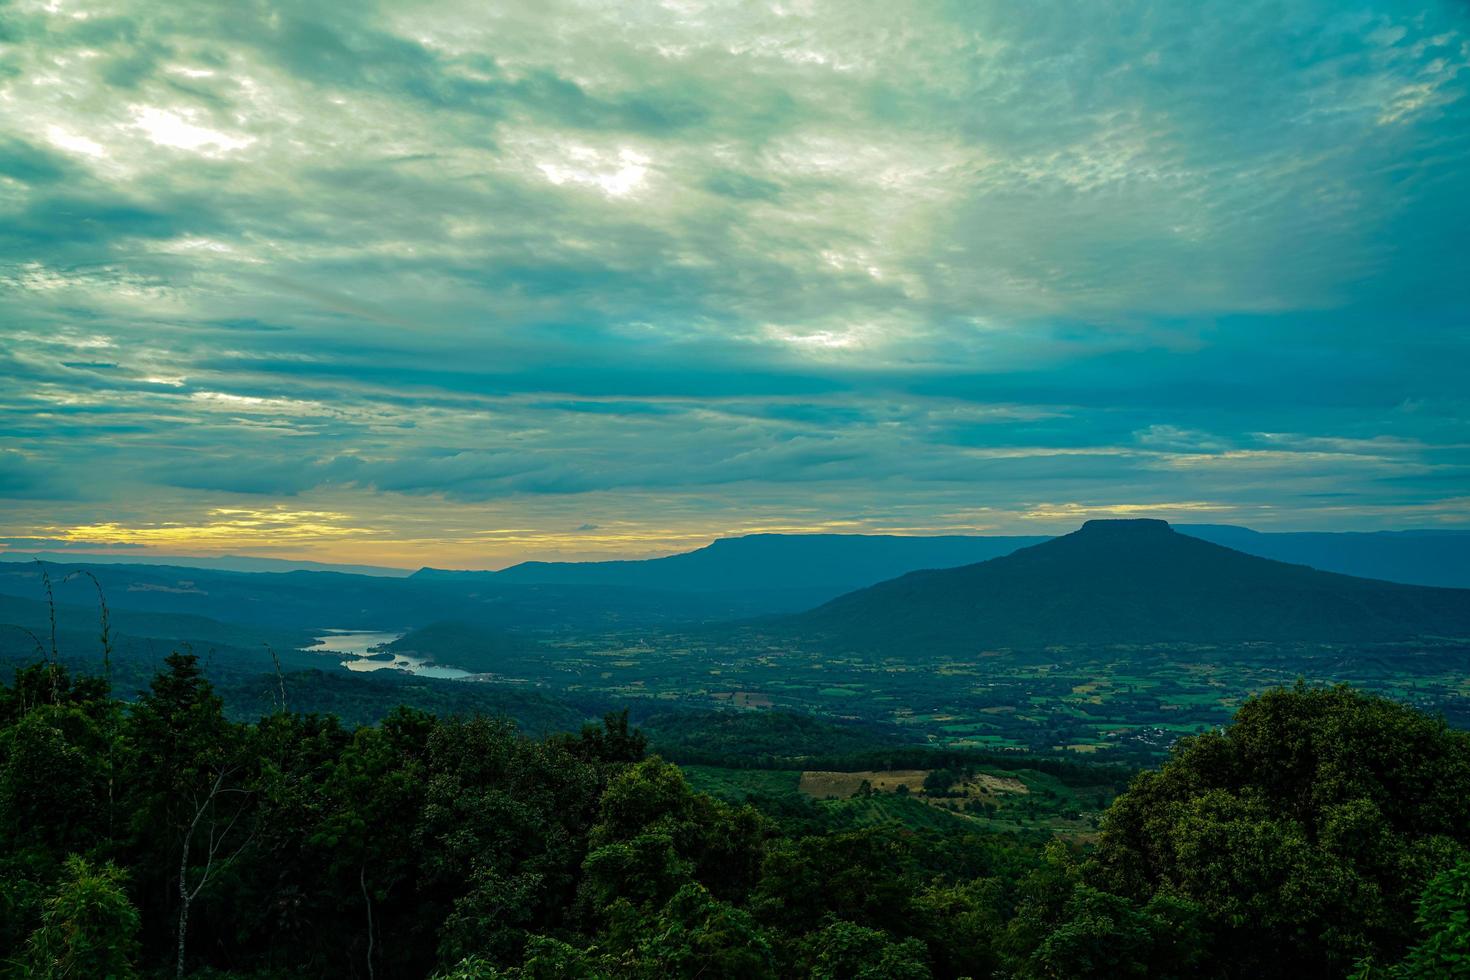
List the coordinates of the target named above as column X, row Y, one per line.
column 1130, row 582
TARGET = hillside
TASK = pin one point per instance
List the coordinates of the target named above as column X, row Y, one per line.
column 1439, row 558
column 814, row 567
column 1128, row 582
column 468, row 647
column 309, row 600
column 82, row 620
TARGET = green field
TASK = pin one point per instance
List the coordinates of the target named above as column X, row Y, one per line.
column 1030, row 800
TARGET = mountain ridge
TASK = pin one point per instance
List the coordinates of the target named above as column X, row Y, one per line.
column 1130, row 582
column 1432, row 557
column 824, row 565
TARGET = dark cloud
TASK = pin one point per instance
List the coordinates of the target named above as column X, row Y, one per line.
column 958, row 265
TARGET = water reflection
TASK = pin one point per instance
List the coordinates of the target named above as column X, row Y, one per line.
column 360, row 650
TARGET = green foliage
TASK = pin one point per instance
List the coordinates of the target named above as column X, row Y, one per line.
column 1303, row 833
column 53, row 779
column 654, row 833
column 546, row 959
column 699, row 936
column 1297, row 842
column 89, row 927
column 1103, row 935
column 367, row 699
column 842, row 950
column 756, row 739
column 940, row 781
column 1444, row 919
column 1443, row 949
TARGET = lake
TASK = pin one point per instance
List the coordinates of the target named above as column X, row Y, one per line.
column 355, row 648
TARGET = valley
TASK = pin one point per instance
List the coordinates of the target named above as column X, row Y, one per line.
column 1109, row 702
column 1169, row 660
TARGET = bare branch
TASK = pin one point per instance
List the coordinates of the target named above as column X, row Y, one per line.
column 106, row 622
column 280, row 678
column 51, row 608
column 217, row 838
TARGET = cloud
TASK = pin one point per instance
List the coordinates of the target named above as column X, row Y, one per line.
column 737, row 266
column 23, row 476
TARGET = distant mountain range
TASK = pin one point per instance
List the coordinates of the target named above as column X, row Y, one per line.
column 766, row 574
column 317, row 600
column 1412, row 557
column 219, row 563
column 1128, row 582
column 789, row 571
column 822, row 566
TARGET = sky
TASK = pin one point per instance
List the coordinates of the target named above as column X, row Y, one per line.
column 464, row 283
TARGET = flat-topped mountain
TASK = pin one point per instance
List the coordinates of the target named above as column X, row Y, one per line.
column 1130, row 582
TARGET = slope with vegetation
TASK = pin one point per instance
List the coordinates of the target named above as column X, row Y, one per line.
column 1324, row 833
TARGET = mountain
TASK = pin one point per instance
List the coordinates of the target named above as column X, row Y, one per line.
column 1129, row 582
column 1423, row 557
column 808, row 568
column 1412, row 557
column 139, row 641
column 222, row 563
column 733, row 578
column 83, row 619
column 316, row 600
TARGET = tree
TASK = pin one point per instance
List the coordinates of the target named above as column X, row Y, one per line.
column 1303, row 832
column 940, row 781
column 212, row 830
column 868, row 877
column 1103, row 936
column 846, row 951
column 370, row 802
column 186, row 791
column 611, row 743
column 654, row 833
column 546, row 959
column 502, row 835
column 53, row 780
column 89, row 928
column 1443, row 950
column 962, row 924
column 1444, row 918
column 698, row 936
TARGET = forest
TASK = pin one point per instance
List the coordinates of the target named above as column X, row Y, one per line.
column 1322, row 833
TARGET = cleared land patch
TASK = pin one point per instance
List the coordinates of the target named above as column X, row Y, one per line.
column 993, row 784
column 843, row 785
column 823, row 785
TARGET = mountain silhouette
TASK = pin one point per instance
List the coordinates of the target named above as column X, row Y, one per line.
column 1424, row 557
column 1129, row 582
column 817, row 566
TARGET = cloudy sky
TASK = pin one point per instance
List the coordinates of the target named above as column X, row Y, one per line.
column 467, row 282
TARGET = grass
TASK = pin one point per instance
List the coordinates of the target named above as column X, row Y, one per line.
column 880, row 809
column 842, row 785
